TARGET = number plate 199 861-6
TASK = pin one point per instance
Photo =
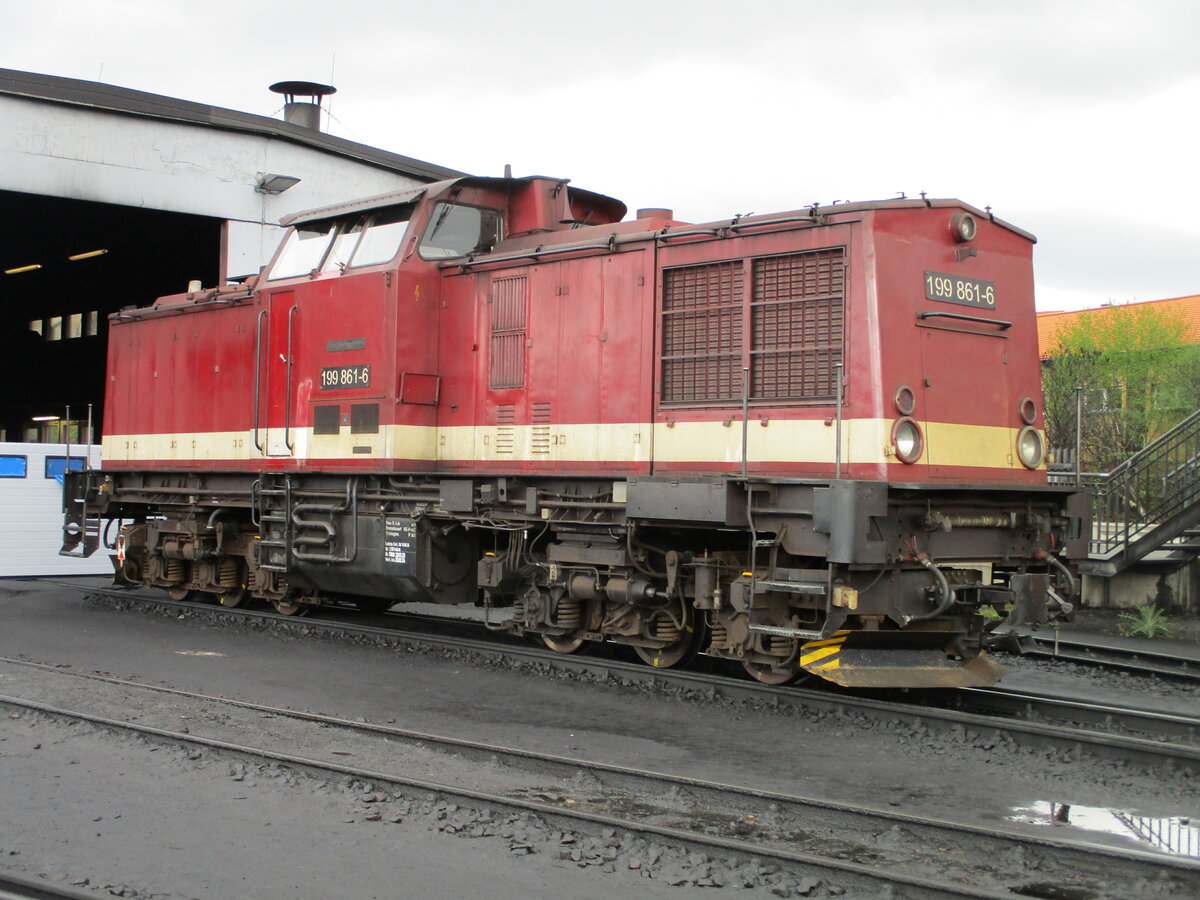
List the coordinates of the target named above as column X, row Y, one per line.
column 963, row 291
column 345, row 377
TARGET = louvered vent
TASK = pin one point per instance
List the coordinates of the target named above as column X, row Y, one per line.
column 540, row 437
column 797, row 326
column 508, row 309
column 506, row 429
column 794, row 337
column 702, row 333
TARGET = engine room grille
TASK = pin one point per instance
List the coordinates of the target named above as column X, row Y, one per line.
column 796, row 327
column 788, row 331
column 702, row 332
column 508, row 310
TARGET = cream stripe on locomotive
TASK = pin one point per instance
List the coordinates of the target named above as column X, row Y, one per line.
column 865, row 441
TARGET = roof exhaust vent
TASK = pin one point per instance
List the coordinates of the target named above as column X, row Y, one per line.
column 306, row 112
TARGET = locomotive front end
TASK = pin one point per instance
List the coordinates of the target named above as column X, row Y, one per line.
column 941, row 526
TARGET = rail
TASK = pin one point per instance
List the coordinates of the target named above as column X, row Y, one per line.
column 905, row 713
column 1138, row 660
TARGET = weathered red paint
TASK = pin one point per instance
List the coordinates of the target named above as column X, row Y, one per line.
column 187, row 366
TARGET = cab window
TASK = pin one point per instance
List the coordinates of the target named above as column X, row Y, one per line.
column 335, row 245
column 382, row 240
column 344, row 242
column 303, row 250
column 457, row 230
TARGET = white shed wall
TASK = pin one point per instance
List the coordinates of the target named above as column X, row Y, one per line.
column 31, row 517
column 70, row 151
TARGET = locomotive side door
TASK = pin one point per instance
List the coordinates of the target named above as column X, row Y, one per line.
column 274, row 430
column 502, row 435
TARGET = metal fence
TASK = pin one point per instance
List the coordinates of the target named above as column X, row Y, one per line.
column 1154, row 487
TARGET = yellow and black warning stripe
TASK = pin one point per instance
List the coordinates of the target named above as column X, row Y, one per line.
column 821, row 656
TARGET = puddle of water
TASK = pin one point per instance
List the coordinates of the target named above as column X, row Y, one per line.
column 1176, row 835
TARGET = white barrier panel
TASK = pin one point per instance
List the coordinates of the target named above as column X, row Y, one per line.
column 31, row 516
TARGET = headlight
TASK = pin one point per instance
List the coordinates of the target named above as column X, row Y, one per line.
column 1028, row 410
column 1030, row 449
column 905, row 400
column 963, row 227
column 906, row 438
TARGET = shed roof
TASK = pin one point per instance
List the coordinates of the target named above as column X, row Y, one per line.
column 1051, row 324
column 109, row 98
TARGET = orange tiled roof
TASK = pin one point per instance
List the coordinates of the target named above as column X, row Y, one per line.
column 1049, row 324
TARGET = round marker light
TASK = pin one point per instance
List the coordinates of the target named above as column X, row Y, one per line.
column 905, row 400
column 964, row 227
column 1028, row 410
column 1030, row 449
column 907, row 439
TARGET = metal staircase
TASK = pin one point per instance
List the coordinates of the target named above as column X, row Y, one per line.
column 1147, row 509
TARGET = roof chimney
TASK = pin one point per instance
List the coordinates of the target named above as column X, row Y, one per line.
column 307, row 112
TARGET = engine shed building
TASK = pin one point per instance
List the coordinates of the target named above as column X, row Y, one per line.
column 113, row 197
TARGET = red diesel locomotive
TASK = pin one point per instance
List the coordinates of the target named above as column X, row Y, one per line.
column 809, row 442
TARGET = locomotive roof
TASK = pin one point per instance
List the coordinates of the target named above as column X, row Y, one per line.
column 909, row 203
column 836, row 209
column 611, row 236
column 619, row 208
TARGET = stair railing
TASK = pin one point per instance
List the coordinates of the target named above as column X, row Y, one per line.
column 1158, row 484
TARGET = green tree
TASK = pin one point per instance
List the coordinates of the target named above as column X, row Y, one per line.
column 1139, row 377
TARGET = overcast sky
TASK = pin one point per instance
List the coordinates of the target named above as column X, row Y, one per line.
column 1074, row 120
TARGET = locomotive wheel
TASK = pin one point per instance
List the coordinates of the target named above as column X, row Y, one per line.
column 563, row 643
column 681, row 651
column 289, row 607
column 764, row 673
column 232, row 597
column 180, row 592
column 373, row 605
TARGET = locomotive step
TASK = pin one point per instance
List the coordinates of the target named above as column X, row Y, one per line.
column 792, row 587
column 780, row 631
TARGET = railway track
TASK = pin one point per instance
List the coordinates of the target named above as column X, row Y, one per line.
column 16, row 887
column 1032, row 706
column 1027, row 720
column 841, row 843
column 1141, row 662
column 1034, row 646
